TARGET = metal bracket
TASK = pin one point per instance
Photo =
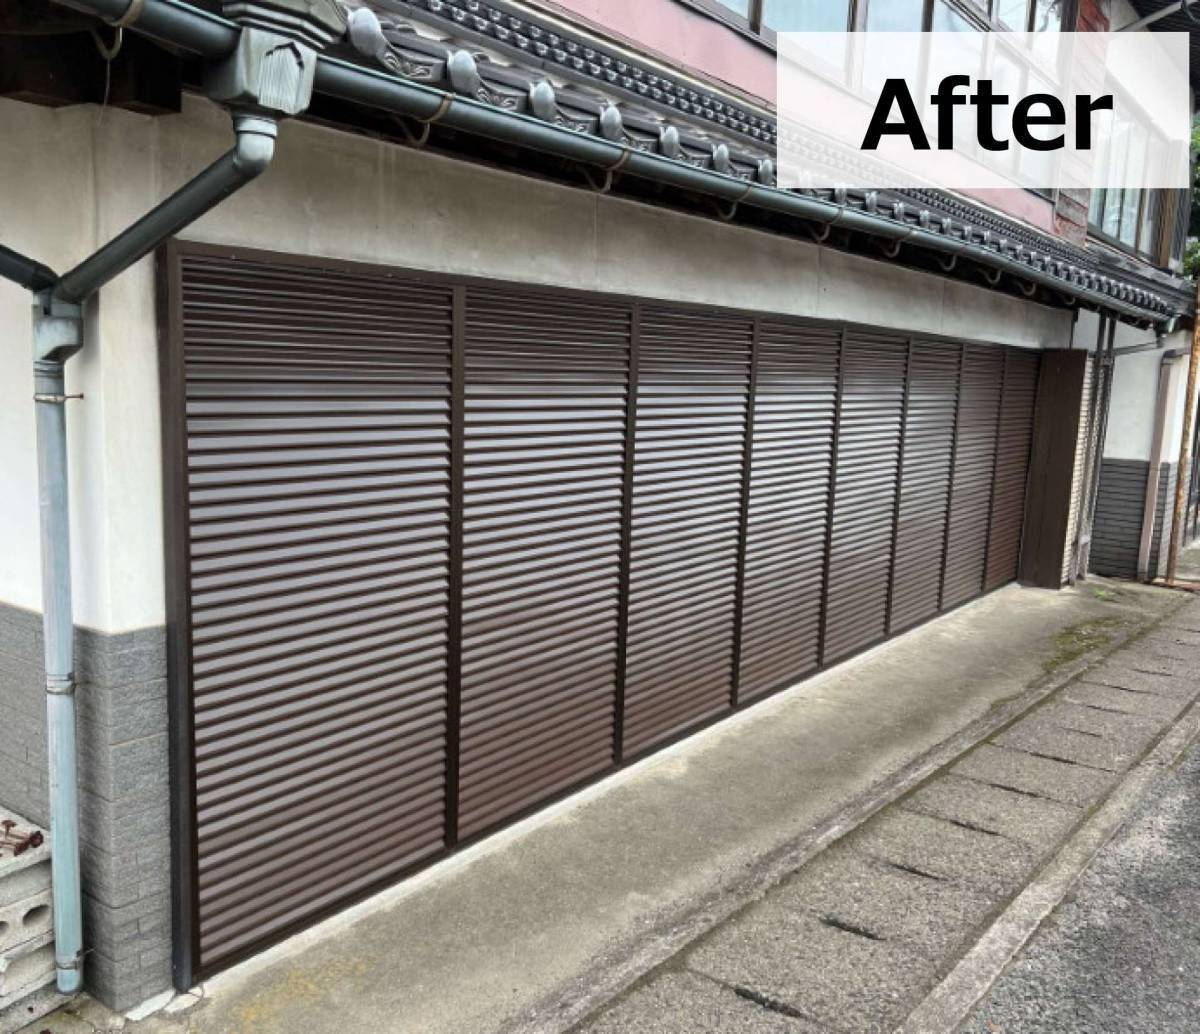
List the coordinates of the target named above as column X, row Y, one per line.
column 60, row 685
column 57, row 328
column 56, row 399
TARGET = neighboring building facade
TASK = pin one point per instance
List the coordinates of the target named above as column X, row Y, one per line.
column 490, row 443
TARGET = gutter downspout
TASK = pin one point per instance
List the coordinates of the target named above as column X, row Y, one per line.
column 1097, row 432
column 1185, row 448
column 58, row 335
column 1164, row 403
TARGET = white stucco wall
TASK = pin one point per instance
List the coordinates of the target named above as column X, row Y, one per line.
column 1135, row 391
column 72, row 179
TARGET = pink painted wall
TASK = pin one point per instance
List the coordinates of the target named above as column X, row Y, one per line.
column 685, row 37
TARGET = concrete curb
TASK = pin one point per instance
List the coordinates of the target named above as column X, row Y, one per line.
column 949, row 1004
column 626, row 965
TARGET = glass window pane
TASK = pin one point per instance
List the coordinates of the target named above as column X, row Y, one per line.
column 1096, row 208
column 1047, row 15
column 1135, row 159
column 1111, row 222
column 961, row 48
column 895, row 15
column 806, row 15
column 741, row 7
column 1117, row 154
column 1145, row 242
column 946, row 19
column 1129, row 217
column 1012, row 14
column 1047, row 38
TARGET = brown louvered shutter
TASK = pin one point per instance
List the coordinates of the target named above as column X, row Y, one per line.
column 693, row 386
column 1012, row 466
column 974, row 462
column 317, row 490
column 543, row 473
column 795, row 400
column 865, row 482
column 925, row 482
column 448, row 549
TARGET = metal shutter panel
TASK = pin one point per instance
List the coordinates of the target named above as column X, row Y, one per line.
column 543, row 474
column 1012, row 466
column 693, row 387
column 792, row 456
column 924, row 482
column 974, row 465
column 1075, row 515
column 317, row 470
column 867, row 467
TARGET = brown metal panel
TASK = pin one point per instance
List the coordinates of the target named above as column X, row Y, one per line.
column 790, row 471
column 1062, row 381
column 693, row 381
column 454, row 547
column 1012, row 466
column 974, row 460
column 317, row 493
column 546, row 382
column 865, row 484
column 925, row 482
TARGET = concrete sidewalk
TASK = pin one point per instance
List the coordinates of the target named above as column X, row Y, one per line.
column 540, row 926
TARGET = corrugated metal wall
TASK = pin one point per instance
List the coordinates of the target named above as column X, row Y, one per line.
column 449, row 549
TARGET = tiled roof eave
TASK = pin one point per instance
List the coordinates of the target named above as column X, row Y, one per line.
column 749, row 171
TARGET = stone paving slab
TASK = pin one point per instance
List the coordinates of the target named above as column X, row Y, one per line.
column 1034, row 821
column 986, row 861
column 1124, row 677
column 1159, row 659
column 1054, row 780
column 1123, row 701
column 1131, row 731
column 848, row 982
column 1121, row 955
column 933, row 916
column 1045, row 740
column 684, row 1003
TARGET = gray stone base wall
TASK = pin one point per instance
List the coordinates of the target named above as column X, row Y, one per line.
column 1117, row 529
column 124, row 806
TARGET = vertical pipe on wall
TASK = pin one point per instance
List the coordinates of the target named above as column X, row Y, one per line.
column 1162, row 406
column 1097, row 431
column 1185, row 448
column 58, row 632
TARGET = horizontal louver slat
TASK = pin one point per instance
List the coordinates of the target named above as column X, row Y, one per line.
column 317, row 441
column 974, row 461
column 790, row 469
column 924, row 482
column 693, row 385
column 865, row 481
column 546, row 386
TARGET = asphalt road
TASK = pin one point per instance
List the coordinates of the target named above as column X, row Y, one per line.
column 1122, row 953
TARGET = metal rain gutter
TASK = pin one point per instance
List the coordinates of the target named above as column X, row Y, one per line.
column 207, row 35
column 268, row 76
